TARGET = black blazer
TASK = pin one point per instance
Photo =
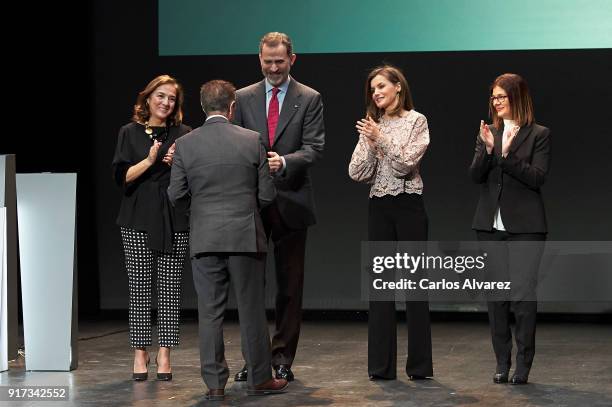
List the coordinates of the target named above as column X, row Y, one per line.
column 512, row 183
column 300, row 138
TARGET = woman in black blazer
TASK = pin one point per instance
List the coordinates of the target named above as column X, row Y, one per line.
column 510, row 163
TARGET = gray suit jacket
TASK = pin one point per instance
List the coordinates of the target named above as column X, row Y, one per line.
column 225, row 171
column 300, row 138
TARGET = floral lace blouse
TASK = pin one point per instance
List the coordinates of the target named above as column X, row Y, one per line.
column 392, row 164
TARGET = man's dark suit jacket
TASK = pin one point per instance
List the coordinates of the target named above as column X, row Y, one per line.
column 512, row 183
column 300, row 138
column 225, row 170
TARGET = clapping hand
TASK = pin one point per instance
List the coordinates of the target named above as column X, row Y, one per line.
column 508, row 142
column 153, row 151
column 486, row 136
column 369, row 128
column 170, row 154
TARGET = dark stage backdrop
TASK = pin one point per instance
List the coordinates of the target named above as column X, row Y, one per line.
column 573, row 96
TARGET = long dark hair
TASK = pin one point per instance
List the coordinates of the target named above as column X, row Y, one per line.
column 393, row 75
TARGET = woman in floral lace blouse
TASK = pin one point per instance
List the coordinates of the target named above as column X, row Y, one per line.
column 393, row 138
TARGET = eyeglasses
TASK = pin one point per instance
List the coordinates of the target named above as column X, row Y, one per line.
column 500, row 98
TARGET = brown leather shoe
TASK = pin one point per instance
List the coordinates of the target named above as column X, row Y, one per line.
column 272, row 386
column 215, row 394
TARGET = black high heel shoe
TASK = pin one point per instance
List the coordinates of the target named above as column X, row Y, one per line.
column 163, row 377
column 141, row 377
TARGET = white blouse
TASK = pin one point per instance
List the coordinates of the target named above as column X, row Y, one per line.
column 497, row 221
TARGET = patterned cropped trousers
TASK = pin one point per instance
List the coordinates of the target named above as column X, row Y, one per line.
column 140, row 263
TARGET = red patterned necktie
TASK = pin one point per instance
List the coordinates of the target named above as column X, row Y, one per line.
column 273, row 115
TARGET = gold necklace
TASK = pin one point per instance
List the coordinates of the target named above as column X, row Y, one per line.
column 161, row 137
column 148, row 128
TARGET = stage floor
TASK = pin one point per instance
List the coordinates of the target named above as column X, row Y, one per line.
column 573, row 367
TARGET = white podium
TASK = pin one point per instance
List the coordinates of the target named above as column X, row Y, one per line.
column 46, row 210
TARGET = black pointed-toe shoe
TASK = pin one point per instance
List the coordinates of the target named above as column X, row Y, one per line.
column 164, row 377
column 284, row 372
column 141, row 377
column 375, row 377
column 242, row 375
column 161, row 376
column 518, row 379
column 500, row 377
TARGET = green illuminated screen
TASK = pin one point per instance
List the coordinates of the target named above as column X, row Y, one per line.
column 234, row 27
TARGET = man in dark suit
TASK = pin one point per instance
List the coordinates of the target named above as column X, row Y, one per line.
column 223, row 169
column 289, row 118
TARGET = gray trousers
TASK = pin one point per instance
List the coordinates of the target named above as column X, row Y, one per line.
column 212, row 273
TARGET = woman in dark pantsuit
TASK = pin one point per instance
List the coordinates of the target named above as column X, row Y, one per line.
column 510, row 164
column 392, row 141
